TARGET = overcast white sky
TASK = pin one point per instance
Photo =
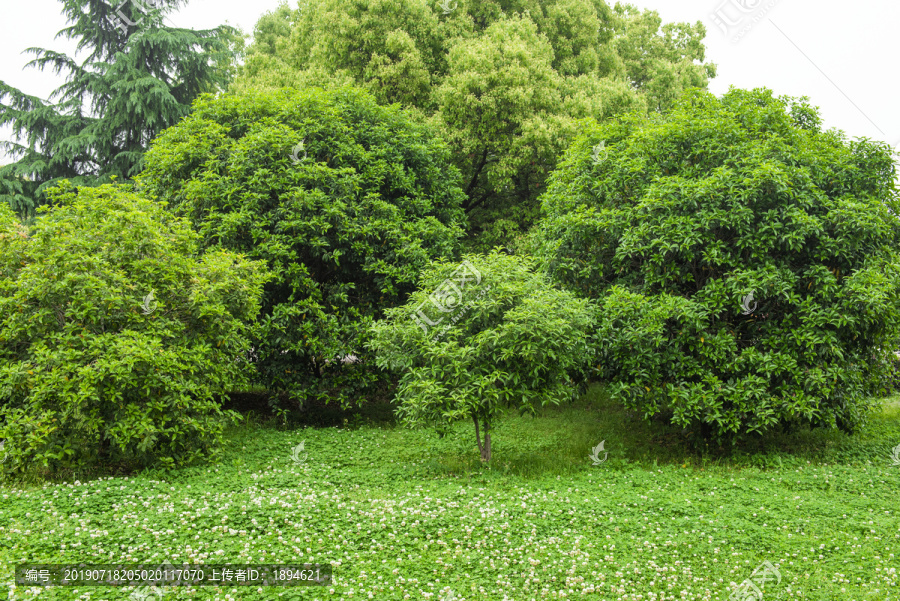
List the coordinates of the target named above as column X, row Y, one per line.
column 841, row 55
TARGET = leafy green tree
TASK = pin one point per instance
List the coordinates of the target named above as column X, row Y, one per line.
column 115, row 338
column 503, row 82
column 344, row 199
column 654, row 56
column 480, row 336
column 137, row 78
column 745, row 261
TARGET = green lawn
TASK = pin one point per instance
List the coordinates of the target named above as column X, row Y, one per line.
column 404, row 515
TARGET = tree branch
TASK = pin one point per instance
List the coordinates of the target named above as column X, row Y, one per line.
column 475, row 176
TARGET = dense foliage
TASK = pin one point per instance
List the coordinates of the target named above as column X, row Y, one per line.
column 137, row 77
column 344, row 199
column 114, row 337
column 504, row 82
column 515, row 342
column 673, row 222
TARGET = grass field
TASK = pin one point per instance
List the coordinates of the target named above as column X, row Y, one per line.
column 402, row 514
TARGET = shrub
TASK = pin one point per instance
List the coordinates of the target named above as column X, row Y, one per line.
column 516, row 342
column 345, row 222
column 671, row 223
column 114, row 336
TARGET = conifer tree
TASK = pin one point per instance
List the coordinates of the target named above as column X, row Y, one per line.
column 136, row 77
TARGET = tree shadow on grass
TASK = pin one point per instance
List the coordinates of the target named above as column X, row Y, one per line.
column 284, row 413
column 559, row 439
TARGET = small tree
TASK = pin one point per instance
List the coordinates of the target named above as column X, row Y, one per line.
column 745, row 261
column 114, row 337
column 479, row 336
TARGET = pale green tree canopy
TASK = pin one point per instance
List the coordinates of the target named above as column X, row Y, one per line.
column 504, row 82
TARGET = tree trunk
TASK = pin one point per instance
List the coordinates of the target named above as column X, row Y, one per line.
column 483, row 448
column 486, row 452
column 478, row 436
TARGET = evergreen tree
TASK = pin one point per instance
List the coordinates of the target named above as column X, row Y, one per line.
column 137, row 78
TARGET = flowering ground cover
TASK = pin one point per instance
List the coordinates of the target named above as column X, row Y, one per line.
column 402, row 514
